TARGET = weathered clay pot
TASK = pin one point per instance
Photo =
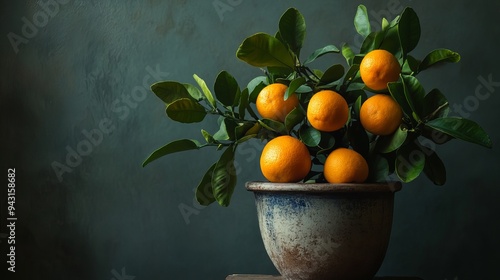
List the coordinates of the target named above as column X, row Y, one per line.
column 325, row 231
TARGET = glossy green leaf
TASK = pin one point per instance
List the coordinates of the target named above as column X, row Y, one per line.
column 226, row 88
column 332, row 74
column 293, row 118
column 173, row 147
column 255, row 86
column 222, row 134
column 205, row 90
column 186, row 111
column 204, row 192
column 410, row 162
column 372, row 42
column 389, row 143
column 263, row 50
column 294, row 85
column 390, row 41
column 435, row 105
column 348, row 54
column 362, row 22
column 310, row 136
column 194, row 91
column 438, row 56
column 461, row 128
column 352, row 75
column 169, row 91
column 410, row 65
column 224, row 177
column 414, row 94
column 320, row 52
column 384, row 24
column 397, row 91
column 273, row 125
column 435, row 136
column 409, row 30
column 292, row 29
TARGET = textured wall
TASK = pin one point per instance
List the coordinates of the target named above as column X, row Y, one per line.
column 81, row 70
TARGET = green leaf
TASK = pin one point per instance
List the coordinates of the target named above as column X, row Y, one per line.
column 293, row 118
column 372, row 42
column 414, row 94
column 292, row 29
column 434, row 168
column 205, row 90
column 310, row 136
column 226, row 88
column 408, row 30
column 397, row 91
column 352, row 74
column 389, row 143
column 438, row 56
column 186, row 111
column 204, row 192
column 224, row 177
column 194, row 91
column 255, row 86
column 169, row 91
column 361, row 21
column 222, row 134
column 173, row 147
column 410, row 162
column 348, row 54
column 294, row 85
column 263, row 50
column 208, row 137
column 320, row 52
column 390, row 41
column 463, row 129
column 241, row 130
column 332, row 74
column 384, row 24
column 273, row 125
column 243, row 103
column 435, row 105
column 410, row 65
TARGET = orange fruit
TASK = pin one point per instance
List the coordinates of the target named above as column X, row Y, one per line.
column 285, row 159
column 327, row 111
column 378, row 68
column 345, row 166
column 380, row 114
column 271, row 103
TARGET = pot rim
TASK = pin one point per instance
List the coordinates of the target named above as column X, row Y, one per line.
column 263, row 186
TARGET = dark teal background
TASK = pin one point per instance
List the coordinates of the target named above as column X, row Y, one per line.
column 80, row 72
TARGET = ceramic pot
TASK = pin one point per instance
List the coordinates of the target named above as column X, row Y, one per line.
column 325, row 231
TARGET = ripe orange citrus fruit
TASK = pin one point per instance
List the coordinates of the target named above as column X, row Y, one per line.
column 285, row 159
column 380, row 114
column 327, row 111
column 378, row 68
column 345, row 166
column 271, row 103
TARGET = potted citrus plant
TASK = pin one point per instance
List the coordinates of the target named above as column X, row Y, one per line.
column 339, row 141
